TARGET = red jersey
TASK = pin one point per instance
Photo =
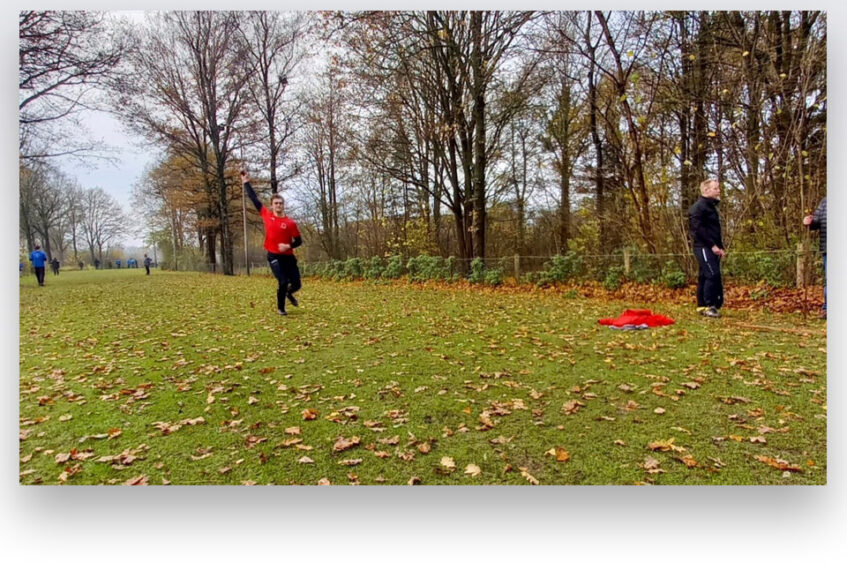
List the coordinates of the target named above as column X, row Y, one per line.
column 278, row 230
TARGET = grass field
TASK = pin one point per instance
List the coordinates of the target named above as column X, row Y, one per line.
column 188, row 378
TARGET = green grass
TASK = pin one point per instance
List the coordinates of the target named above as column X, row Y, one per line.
column 433, row 367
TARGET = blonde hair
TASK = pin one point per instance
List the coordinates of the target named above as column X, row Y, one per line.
column 704, row 185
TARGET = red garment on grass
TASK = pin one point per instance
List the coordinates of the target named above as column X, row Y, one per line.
column 638, row 317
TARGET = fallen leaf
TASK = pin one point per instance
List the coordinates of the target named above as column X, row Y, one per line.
column 310, row 414
column 252, row 400
column 631, row 406
column 659, row 410
column 350, row 462
column 141, row 480
column 780, row 464
column 290, row 442
column 305, row 459
column 342, row 443
column 688, row 460
column 472, row 470
column 651, row 465
column 294, row 430
column 665, row 445
column 525, row 474
column 448, row 463
column 560, row 454
column 572, row 406
column 324, row 482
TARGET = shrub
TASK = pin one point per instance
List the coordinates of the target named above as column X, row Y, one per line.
column 353, row 269
column 494, row 276
column 394, row 268
column 450, row 268
column 561, row 268
column 614, row 277
column 672, row 276
column 374, row 268
column 642, row 267
column 335, row 269
column 477, row 271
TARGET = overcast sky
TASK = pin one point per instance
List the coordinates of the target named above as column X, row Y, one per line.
column 118, row 176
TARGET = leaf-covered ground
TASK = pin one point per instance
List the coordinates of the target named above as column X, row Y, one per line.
column 185, row 378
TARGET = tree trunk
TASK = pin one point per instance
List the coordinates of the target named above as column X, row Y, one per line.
column 479, row 157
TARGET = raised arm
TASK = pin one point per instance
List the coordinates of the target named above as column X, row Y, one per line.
column 245, row 181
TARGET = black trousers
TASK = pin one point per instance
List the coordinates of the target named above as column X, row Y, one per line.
column 39, row 274
column 287, row 274
column 709, row 283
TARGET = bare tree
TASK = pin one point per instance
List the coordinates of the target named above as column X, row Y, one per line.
column 272, row 46
column 188, row 93
column 63, row 56
column 103, row 221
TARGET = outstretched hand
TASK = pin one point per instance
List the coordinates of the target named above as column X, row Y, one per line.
column 245, row 177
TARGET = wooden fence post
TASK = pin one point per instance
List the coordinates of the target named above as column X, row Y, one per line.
column 517, row 268
column 626, row 257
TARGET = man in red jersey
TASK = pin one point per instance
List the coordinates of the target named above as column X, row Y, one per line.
column 281, row 238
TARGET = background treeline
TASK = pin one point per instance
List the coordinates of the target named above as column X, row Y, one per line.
column 479, row 135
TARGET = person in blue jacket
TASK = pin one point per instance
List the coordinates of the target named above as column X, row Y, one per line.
column 38, row 259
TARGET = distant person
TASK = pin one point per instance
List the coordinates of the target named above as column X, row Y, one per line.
column 21, row 269
column 38, row 259
column 147, row 262
column 54, row 264
column 118, row 264
column 705, row 224
column 81, row 265
column 281, row 238
column 96, row 263
column 817, row 222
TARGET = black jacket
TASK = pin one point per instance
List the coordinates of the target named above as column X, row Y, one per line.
column 705, row 223
column 819, row 223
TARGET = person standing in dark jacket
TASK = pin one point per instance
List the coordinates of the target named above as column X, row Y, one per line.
column 705, row 224
column 281, row 238
column 817, row 222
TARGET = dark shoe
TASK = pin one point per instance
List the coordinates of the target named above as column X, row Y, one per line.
column 292, row 299
column 711, row 312
column 282, row 312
